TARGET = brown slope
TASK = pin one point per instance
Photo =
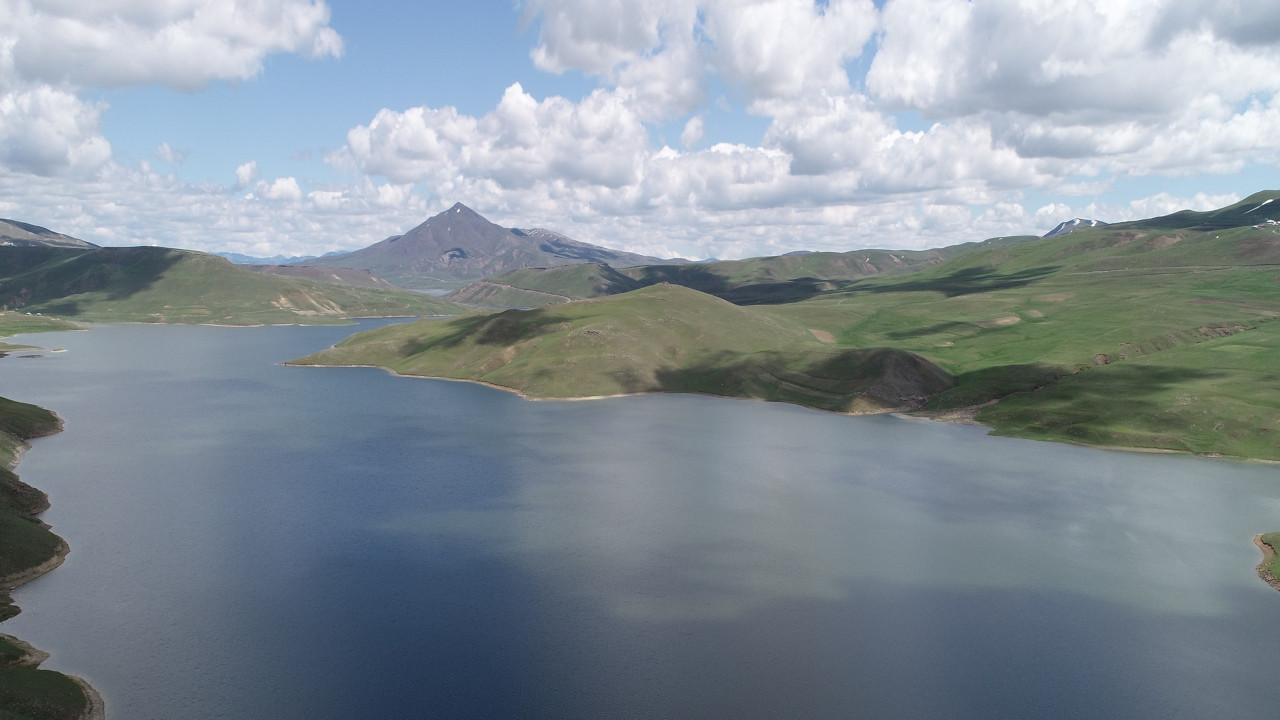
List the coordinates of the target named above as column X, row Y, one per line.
column 19, row 234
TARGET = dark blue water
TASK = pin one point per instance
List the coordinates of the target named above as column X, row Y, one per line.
column 257, row 541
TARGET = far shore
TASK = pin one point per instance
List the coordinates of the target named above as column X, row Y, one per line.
column 958, row 416
column 584, row 398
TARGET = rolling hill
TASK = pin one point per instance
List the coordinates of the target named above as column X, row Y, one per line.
column 458, row 246
column 149, row 284
column 663, row 338
column 1158, row 334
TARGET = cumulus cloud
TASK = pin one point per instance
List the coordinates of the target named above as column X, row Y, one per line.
column 598, row 141
column 1114, row 84
column 660, row 51
column 782, row 49
column 917, row 124
column 48, row 132
column 124, row 206
column 246, row 173
column 184, row 44
column 692, row 133
column 51, row 51
column 285, row 188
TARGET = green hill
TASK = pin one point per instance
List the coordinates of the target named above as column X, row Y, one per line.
column 1157, row 334
column 148, row 284
column 1136, row 334
column 532, row 287
column 664, row 338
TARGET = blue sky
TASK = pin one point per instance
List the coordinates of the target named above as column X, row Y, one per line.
column 698, row 128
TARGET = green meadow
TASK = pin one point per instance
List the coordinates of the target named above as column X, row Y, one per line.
column 663, row 338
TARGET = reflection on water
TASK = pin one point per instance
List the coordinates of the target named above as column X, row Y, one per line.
column 711, row 522
column 257, row 541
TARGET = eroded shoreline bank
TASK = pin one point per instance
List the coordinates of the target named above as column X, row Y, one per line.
column 1268, row 555
column 21, row 660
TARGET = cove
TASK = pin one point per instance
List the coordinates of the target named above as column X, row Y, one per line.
column 257, row 541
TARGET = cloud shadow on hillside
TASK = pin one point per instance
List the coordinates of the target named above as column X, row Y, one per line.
column 119, row 273
column 965, row 281
column 505, row 328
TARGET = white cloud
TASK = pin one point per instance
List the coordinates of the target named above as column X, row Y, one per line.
column 166, row 153
column 122, row 206
column 49, row 132
column 523, row 141
column 692, row 133
column 1065, row 98
column 285, row 188
column 50, row 51
column 1113, row 85
column 662, row 51
column 246, row 173
column 184, row 44
column 783, row 49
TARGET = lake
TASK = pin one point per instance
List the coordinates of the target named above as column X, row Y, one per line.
column 251, row 540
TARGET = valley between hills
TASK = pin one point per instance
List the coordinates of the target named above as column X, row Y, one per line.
column 1157, row 335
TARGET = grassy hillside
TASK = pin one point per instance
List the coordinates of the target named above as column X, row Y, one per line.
column 1158, row 334
column 1128, row 335
column 664, row 338
column 532, row 287
column 145, row 284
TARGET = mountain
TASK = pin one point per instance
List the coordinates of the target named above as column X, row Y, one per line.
column 240, row 259
column 459, row 246
column 19, row 234
column 1071, row 226
column 152, row 284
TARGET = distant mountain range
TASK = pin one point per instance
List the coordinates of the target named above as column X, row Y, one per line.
column 19, row 234
column 240, row 259
column 459, row 246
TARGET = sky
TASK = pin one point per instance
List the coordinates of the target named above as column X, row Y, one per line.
column 674, row 128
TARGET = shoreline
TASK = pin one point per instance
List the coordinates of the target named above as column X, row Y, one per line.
column 1268, row 552
column 956, row 416
column 33, row 657
column 898, row 411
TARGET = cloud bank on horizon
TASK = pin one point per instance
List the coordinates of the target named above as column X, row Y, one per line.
column 701, row 128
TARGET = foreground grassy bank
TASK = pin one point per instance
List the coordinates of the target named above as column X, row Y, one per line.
column 28, row 549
